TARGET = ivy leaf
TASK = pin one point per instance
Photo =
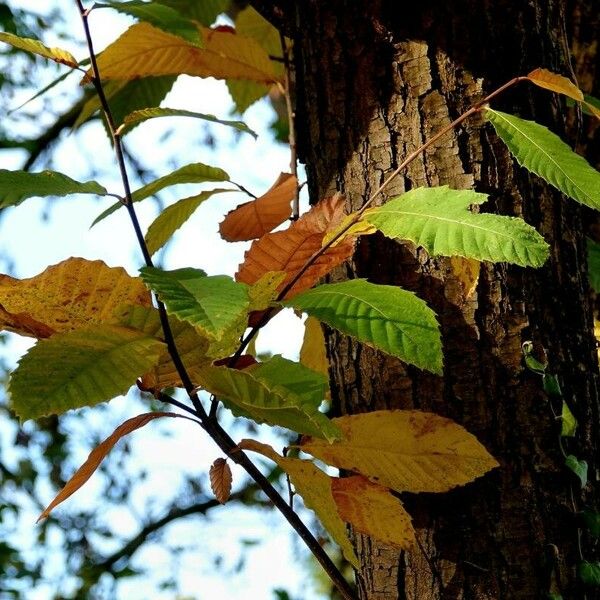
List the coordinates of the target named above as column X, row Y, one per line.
column 36, row 47
column 173, row 217
column 439, row 219
column 211, row 304
column 568, row 422
column 555, row 83
column 139, row 116
column 275, row 401
column 159, row 15
column 259, row 216
column 144, row 51
column 383, row 316
column 98, row 454
column 551, row 385
column 288, row 250
column 193, row 173
column 589, row 573
column 542, row 152
column 591, row 519
column 579, row 467
column 73, row 294
column 80, row 368
column 406, row 450
column 17, row 186
column 315, row 488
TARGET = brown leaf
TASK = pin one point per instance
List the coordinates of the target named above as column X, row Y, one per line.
column 555, row 83
column 97, row 456
column 255, row 218
column 290, row 249
column 72, row 294
column 220, row 479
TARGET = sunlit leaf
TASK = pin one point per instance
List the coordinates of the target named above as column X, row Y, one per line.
column 36, row 47
column 173, row 217
column 72, row 294
column 80, row 368
column 555, row 83
column 383, row 316
column 17, row 186
column 255, row 218
column 440, row 220
column 144, row 114
column 144, row 50
column 220, row 479
column 159, row 15
column 203, row 11
column 264, row 291
column 98, row 454
column 211, row 304
column 274, row 401
column 406, row 450
column 315, row 488
column 312, row 352
column 371, row 509
column 289, row 250
column 193, row 173
column 542, row 152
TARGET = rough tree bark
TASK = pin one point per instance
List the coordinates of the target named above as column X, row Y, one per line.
column 373, row 81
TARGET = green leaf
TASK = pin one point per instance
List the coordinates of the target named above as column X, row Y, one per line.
column 16, row 186
column 144, row 114
column 192, row 173
column 439, row 219
column 204, row 11
column 211, row 304
column 591, row 519
column 532, row 363
column 160, row 15
column 579, row 467
column 36, row 47
column 589, row 573
column 569, row 422
column 593, row 255
column 250, row 394
column 80, row 368
column 386, row 317
column 551, row 385
column 542, row 152
column 245, row 93
column 127, row 96
column 173, row 217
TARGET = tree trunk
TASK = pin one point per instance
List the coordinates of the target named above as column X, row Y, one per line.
column 373, row 81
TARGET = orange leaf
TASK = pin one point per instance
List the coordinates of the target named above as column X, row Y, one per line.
column 555, row 83
column 97, row 456
column 289, row 250
column 255, row 218
column 72, row 294
column 372, row 509
column 220, row 479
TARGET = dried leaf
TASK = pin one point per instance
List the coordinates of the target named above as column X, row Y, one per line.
column 220, row 480
column 290, row 249
column 373, row 510
column 555, row 83
column 255, row 218
column 72, row 294
column 97, row 456
column 466, row 271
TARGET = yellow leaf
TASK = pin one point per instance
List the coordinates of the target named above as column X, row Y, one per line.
column 36, row 47
column 97, row 456
column 315, row 488
column 72, row 294
column 144, row 50
column 373, row 510
column 555, row 83
column 220, row 479
column 312, row 353
column 289, row 250
column 406, row 450
column 466, row 271
column 356, row 229
column 595, row 111
column 264, row 291
column 255, row 218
